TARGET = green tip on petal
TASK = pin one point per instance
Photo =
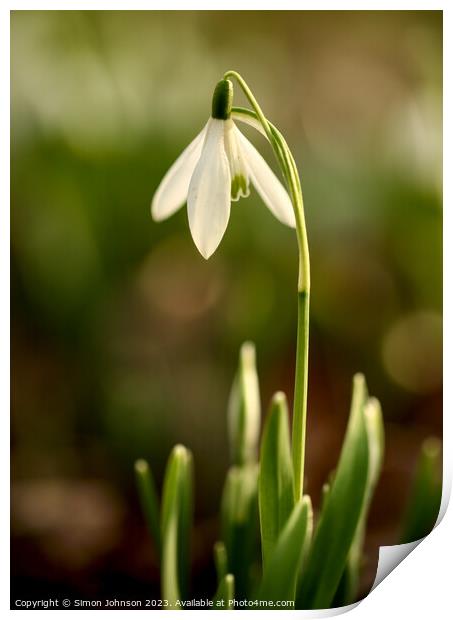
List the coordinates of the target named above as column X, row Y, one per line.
column 222, row 100
column 239, row 187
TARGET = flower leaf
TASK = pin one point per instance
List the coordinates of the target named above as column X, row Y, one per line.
column 348, row 587
column 220, row 560
column 341, row 512
column 225, row 593
column 244, row 409
column 276, row 484
column 239, row 515
column 425, row 496
column 284, row 561
column 149, row 500
column 176, row 524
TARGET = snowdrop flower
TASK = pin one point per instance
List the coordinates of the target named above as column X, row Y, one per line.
column 215, row 169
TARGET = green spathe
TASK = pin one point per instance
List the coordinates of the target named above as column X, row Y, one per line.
column 238, row 187
column 276, row 486
column 222, row 100
column 176, row 521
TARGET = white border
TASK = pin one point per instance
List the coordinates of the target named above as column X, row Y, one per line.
column 421, row 585
column 234, row 5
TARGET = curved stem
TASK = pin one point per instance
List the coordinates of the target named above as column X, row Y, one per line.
column 290, row 173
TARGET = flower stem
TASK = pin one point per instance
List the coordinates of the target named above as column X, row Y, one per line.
column 290, row 173
column 300, row 392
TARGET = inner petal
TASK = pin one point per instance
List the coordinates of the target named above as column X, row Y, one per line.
column 240, row 184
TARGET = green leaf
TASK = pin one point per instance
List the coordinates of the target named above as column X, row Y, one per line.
column 276, row 484
column 239, row 515
column 149, row 500
column 225, row 593
column 341, row 512
column 224, row 596
column 220, row 560
column 426, row 493
column 176, row 524
column 324, row 494
column 281, row 571
column 349, row 584
column 244, row 409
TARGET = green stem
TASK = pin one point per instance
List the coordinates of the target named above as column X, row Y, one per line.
column 300, row 391
column 290, row 173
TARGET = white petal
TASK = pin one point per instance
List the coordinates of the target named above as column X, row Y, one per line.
column 270, row 189
column 238, row 169
column 208, row 202
column 249, row 120
column 172, row 191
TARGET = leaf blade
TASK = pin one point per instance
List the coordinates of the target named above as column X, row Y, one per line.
column 149, row 500
column 425, row 495
column 176, row 521
column 225, row 592
column 239, row 517
column 348, row 587
column 276, row 480
column 281, row 571
column 244, row 409
column 341, row 512
column 220, row 560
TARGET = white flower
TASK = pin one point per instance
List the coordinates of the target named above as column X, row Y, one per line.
column 215, row 169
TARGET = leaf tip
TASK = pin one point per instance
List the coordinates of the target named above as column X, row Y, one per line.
column 141, row 466
column 359, row 379
column 372, row 408
column 279, row 398
column 431, row 447
column 181, row 452
column 248, row 353
column 306, row 501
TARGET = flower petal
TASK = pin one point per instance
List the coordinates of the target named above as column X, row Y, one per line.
column 238, row 169
column 172, row 191
column 270, row 189
column 249, row 120
column 208, row 202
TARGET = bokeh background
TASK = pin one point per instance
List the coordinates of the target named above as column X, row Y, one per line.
column 125, row 341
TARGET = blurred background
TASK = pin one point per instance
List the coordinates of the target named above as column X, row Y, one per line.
column 125, row 340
